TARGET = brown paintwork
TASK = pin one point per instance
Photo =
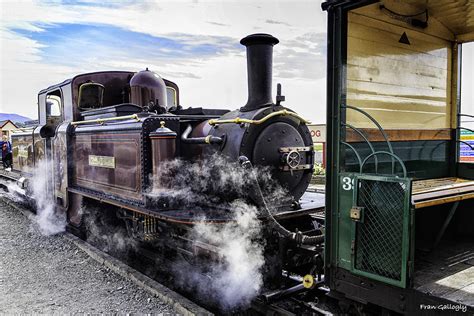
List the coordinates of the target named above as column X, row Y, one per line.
column 163, row 149
column 125, row 179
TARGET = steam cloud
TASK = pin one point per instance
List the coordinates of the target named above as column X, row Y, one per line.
column 235, row 278
column 49, row 221
column 214, row 181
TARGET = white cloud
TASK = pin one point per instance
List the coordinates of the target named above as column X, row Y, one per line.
column 218, row 81
column 22, row 74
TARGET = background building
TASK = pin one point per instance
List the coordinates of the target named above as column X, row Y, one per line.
column 6, row 128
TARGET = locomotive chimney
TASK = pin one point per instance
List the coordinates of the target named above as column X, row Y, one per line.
column 259, row 70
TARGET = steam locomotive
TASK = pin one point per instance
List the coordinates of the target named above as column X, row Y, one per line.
column 109, row 137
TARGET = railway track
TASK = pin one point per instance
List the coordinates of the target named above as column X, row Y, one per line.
column 141, row 267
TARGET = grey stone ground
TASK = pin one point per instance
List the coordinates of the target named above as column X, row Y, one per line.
column 50, row 275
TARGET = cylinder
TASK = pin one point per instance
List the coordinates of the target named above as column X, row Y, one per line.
column 259, row 70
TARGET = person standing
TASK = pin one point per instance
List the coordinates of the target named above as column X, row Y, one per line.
column 6, row 153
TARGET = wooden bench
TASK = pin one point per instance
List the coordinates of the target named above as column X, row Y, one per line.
column 432, row 192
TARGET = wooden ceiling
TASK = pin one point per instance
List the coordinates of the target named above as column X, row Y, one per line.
column 456, row 15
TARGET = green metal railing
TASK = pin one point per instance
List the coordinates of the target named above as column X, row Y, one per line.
column 374, row 153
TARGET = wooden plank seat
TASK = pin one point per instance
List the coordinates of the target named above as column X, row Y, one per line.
column 432, row 192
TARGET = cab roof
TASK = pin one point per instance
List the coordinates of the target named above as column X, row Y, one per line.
column 456, row 16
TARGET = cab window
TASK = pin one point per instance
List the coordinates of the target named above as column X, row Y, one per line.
column 54, row 109
column 171, row 97
column 53, row 106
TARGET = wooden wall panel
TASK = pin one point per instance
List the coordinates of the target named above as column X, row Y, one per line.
column 396, row 135
column 402, row 86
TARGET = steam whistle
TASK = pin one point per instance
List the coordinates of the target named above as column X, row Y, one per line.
column 279, row 98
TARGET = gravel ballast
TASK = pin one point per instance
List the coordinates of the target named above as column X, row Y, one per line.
column 51, row 275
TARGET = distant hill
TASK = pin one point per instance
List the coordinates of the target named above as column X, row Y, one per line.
column 14, row 117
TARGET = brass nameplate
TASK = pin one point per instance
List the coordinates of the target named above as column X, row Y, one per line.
column 23, row 152
column 102, row 161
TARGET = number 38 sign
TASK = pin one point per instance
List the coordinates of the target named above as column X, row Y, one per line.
column 347, row 183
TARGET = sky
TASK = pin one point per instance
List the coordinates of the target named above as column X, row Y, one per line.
column 193, row 43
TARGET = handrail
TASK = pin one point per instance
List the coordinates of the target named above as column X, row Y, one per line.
column 376, row 124
column 386, row 153
column 239, row 120
column 356, row 153
column 209, row 139
column 467, row 115
column 23, row 129
column 434, row 148
column 355, row 129
column 108, row 119
column 465, row 128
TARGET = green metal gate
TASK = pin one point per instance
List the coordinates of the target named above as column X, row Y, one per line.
column 381, row 228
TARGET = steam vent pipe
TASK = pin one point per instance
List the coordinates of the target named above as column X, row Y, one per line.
column 259, row 70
